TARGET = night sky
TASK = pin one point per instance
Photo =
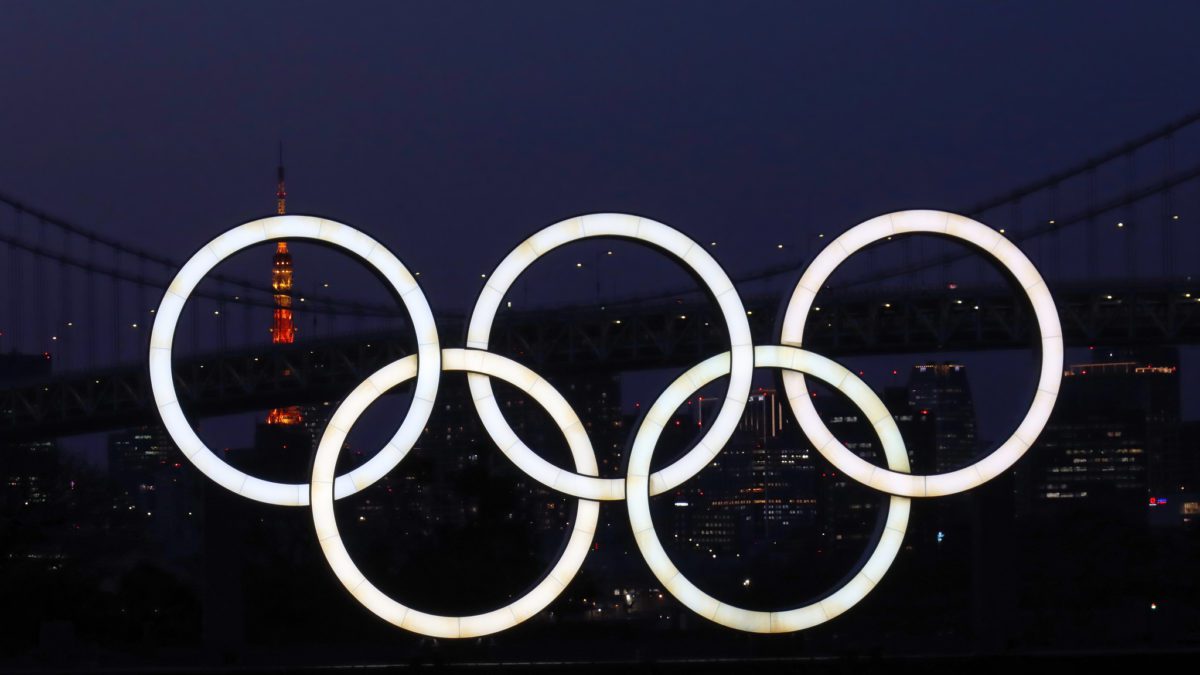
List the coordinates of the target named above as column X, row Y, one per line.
column 438, row 125
column 451, row 131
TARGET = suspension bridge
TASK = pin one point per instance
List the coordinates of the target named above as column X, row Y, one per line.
column 1115, row 235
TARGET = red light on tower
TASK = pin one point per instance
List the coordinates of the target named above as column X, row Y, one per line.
column 283, row 328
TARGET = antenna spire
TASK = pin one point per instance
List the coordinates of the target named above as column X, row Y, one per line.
column 281, row 191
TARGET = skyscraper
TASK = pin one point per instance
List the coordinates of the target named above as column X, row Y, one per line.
column 1113, row 436
column 760, row 488
column 27, row 469
column 942, row 390
column 849, row 511
column 154, row 491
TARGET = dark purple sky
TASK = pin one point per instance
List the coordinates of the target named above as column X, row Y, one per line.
column 437, row 124
column 450, row 131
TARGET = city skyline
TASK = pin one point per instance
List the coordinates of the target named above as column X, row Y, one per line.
column 503, row 369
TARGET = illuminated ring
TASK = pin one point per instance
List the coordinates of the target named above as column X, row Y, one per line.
column 638, row 495
column 1015, row 262
column 377, row 601
column 699, row 262
column 292, row 227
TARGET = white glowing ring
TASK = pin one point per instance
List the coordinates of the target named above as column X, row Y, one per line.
column 292, row 227
column 754, row 621
column 377, row 601
column 1015, row 262
column 706, row 269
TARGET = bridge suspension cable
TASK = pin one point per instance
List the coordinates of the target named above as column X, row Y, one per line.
column 42, row 302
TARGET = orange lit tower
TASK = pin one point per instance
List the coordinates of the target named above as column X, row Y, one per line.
column 283, row 328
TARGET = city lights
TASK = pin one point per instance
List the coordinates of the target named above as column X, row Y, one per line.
column 638, row 493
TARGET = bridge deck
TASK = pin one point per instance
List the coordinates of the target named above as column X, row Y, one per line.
column 668, row 333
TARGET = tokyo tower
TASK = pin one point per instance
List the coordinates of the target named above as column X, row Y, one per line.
column 283, row 327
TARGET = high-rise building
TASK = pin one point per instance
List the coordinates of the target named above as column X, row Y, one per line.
column 153, row 489
column 849, row 511
column 27, row 471
column 759, row 488
column 136, row 457
column 27, row 468
column 942, row 390
column 1112, row 442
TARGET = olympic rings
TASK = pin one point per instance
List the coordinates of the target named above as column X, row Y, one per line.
column 1015, row 263
column 584, row 482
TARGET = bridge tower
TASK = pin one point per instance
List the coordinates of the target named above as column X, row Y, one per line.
column 283, row 327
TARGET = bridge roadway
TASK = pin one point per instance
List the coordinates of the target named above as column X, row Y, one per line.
column 674, row 333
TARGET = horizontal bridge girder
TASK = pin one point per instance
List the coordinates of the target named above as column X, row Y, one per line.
column 667, row 333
